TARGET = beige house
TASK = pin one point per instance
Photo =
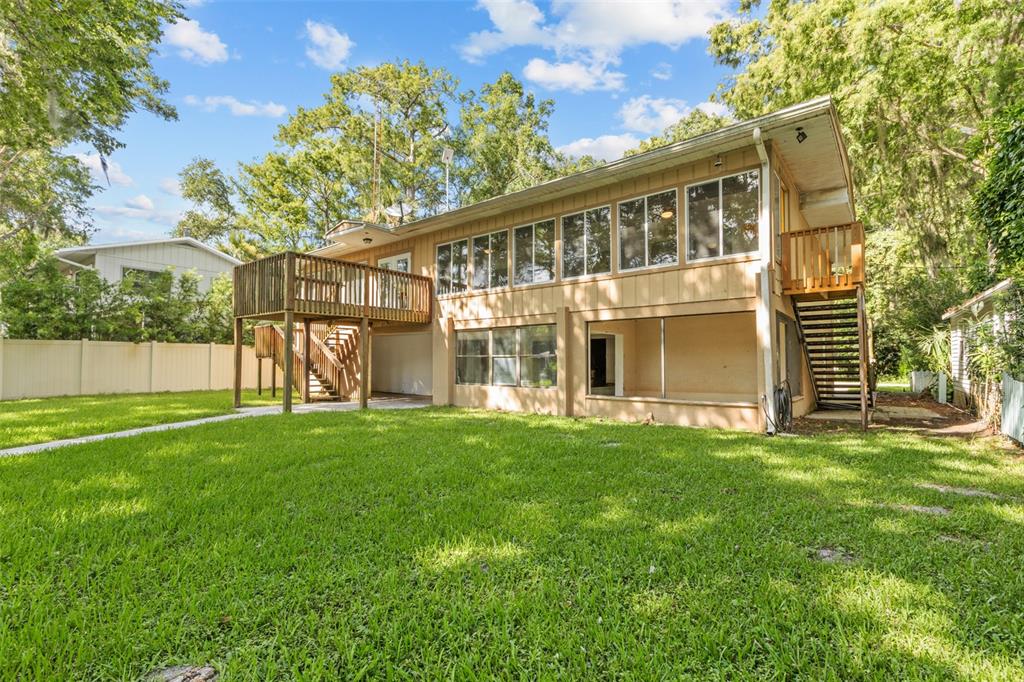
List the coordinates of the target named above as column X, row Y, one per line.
column 688, row 283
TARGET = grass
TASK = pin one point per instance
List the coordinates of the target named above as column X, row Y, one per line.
column 38, row 420
column 459, row 544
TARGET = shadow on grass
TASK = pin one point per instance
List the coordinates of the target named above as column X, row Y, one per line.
column 442, row 542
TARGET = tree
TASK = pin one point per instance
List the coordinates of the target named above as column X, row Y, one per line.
column 914, row 82
column 695, row 123
column 502, row 141
column 999, row 201
column 212, row 217
column 70, row 73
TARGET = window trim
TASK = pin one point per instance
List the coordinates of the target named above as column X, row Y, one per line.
column 533, row 263
column 611, row 243
column 469, row 262
column 489, row 356
column 508, row 261
column 518, row 356
column 721, row 222
column 647, row 255
column 406, row 254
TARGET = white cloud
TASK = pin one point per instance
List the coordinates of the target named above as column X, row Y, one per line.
column 141, row 202
column 236, row 106
column 592, row 34
column 194, row 44
column 170, row 186
column 153, row 215
column 714, row 108
column 328, row 48
column 606, row 147
column 646, row 114
column 663, row 71
column 114, row 172
column 574, row 76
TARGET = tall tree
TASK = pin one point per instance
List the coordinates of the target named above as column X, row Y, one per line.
column 999, row 202
column 914, row 81
column 69, row 73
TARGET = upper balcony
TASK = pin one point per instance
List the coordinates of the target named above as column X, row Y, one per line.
column 313, row 287
column 823, row 261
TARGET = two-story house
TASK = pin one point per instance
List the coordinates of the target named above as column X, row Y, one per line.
column 689, row 283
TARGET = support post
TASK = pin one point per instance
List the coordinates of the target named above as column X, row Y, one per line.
column 273, row 376
column 289, row 360
column 238, row 362
column 764, row 314
column 364, row 363
column 259, row 376
column 862, row 356
column 305, row 360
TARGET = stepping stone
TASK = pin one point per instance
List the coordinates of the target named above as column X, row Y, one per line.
column 934, row 511
column 833, row 555
column 967, row 492
column 184, row 673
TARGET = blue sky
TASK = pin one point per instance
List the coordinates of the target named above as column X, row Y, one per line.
column 617, row 71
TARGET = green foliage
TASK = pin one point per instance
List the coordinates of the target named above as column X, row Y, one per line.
column 38, row 301
column 999, row 202
column 934, row 348
column 697, row 122
column 915, row 82
column 69, row 73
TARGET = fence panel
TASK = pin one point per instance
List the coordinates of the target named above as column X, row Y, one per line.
column 1013, row 408
column 40, row 369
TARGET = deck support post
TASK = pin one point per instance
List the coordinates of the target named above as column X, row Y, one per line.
column 238, row 362
column 259, row 376
column 273, row 376
column 289, row 360
column 305, row 359
column 364, row 363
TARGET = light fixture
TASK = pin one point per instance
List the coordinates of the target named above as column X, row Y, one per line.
column 667, row 214
column 800, row 135
column 718, row 161
column 367, row 240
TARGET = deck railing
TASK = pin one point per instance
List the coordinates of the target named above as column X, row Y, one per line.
column 312, row 286
column 823, row 259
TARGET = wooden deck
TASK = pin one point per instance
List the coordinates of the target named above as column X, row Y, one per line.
column 824, row 262
column 312, row 287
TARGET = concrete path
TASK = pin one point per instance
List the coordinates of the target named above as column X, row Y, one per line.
column 381, row 403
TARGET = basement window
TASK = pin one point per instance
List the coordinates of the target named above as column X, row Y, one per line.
column 507, row 356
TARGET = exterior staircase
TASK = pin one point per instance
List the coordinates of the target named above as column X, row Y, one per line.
column 333, row 366
column 836, row 345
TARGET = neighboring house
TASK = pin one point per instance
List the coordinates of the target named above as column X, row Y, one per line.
column 687, row 283
column 114, row 261
column 963, row 320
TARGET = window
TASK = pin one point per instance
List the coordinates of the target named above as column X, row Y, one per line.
column 490, row 260
column 402, row 262
column 722, row 216
column 533, row 253
column 140, row 277
column 472, row 351
column 647, row 231
column 587, row 243
column 507, row 356
column 452, row 263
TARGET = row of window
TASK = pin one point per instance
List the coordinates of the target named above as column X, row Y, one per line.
column 721, row 220
column 507, row 356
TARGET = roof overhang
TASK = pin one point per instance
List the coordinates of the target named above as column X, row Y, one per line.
column 352, row 235
column 974, row 303
column 80, row 253
column 818, row 164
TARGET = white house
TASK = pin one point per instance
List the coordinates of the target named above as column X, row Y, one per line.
column 963, row 320
column 114, row 261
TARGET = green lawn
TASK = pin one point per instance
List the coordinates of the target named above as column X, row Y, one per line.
column 458, row 544
column 38, row 420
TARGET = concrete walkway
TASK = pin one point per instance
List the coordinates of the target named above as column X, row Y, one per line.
column 376, row 403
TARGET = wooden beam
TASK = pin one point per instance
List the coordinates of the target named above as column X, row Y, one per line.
column 238, row 362
column 305, row 360
column 289, row 359
column 364, row 363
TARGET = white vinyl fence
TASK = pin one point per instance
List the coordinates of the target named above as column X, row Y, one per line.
column 1012, row 421
column 37, row 369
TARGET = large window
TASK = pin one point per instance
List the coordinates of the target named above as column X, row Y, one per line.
column 587, row 243
column 534, row 253
column 647, row 231
column 722, row 216
column 452, row 267
column 490, row 260
column 508, row 356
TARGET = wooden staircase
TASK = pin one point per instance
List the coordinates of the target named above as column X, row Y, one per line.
column 835, row 342
column 332, row 358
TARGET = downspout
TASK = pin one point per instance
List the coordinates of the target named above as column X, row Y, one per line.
column 764, row 310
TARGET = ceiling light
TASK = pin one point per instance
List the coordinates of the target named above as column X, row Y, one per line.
column 800, row 135
column 718, row 161
column 367, row 239
column 667, row 214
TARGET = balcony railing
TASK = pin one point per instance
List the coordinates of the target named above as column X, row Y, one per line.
column 823, row 259
column 316, row 287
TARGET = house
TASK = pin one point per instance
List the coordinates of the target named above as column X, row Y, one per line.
column 114, row 261
column 964, row 321
column 687, row 283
